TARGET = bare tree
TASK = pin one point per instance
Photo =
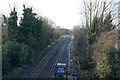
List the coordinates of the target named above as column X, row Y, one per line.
column 93, row 8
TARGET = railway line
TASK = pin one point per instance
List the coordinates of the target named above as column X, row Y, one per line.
column 45, row 65
column 60, row 55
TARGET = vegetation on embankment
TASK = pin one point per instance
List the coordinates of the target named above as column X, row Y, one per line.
column 79, row 46
column 100, row 57
column 79, row 52
column 104, row 58
column 21, row 43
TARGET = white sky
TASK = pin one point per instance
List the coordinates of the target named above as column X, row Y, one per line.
column 65, row 13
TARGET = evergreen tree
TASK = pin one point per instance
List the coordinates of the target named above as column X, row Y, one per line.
column 12, row 26
column 39, row 33
column 27, row 32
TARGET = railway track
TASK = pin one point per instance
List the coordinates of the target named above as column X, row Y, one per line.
column 52, row 62
column 45, row 63
column 40, row 68
column 37, row 60
column 52, row 72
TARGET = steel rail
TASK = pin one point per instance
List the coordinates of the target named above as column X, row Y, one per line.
column 60, row 55
column 52, row 57
column 28, row 76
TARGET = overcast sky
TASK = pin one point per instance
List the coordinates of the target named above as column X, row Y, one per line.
column 65, row 13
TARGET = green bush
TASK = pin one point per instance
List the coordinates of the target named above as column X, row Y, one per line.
column 14, row 55
column 106, row 66
column 85, row 74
